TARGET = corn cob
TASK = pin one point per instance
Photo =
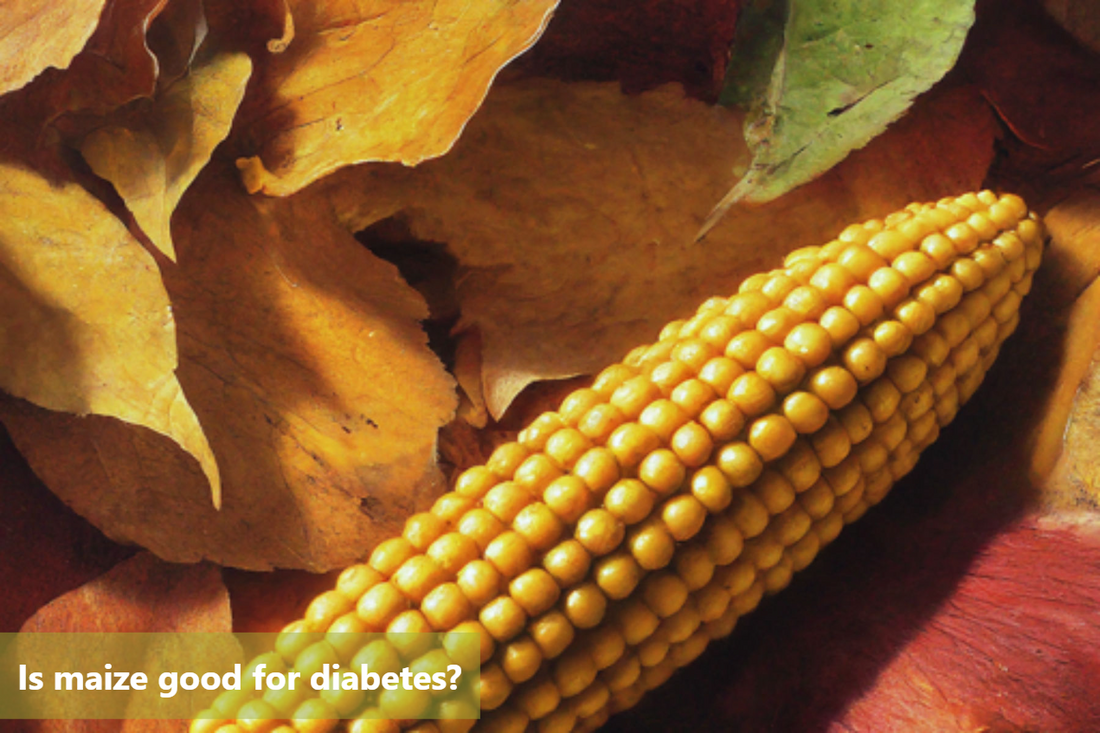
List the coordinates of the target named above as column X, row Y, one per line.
column 619, row 535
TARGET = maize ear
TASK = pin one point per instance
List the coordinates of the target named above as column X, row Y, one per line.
column 619, row 535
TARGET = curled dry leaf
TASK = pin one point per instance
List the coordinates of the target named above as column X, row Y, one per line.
column 305, row 362
column 260, row 27
column 571, row 209
column 392, row 83
column 175, row 37
column 153, row 160
column 115, row 67
column 86, row 324
column 38, row 34
column 472, row 409
column 1066, row 455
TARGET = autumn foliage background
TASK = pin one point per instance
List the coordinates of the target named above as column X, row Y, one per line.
column 303, row 261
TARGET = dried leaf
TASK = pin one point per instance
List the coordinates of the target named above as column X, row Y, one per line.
column 571, row 209
column 472, row 409
column 1078, row 477
column 86, row 325
column 304, row 359
column 142, row 594
column 1017, row 55
column 642, row 44
column 1066, row 456
column 266, row 602
column 260, row 27
column 115, row 67
column 843, row 74
column 1015, row 649
column 67, row 551
column 175, row 37
column 1079, row 17
column 37, row 34
column 151, row 163
column 396, row 82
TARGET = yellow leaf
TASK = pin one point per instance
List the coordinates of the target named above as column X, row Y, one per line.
column 85, row 322
column 152, row 163
column 392, row 81
column 304, row 358
column 1064, row 459
column 38, row 34
column 572, row 209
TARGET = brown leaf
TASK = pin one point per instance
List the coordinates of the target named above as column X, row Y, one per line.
column 642, row 44
column 303, row 356
column 394, row 83
column 36, row 35
column 1044, row 86
column 115, row 67
column 1013, row 650
column 67, row 551
column 151, row 162
column 266, row 602
column 99, row 726
column 142, row 594
column 1079, row 17
column 86, row 323
column 174, row 37
column 572, row 210
column 472, row 409
column 258, row 26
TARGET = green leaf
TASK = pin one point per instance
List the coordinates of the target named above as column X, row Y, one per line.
column 845, row 70
column 756, row 48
